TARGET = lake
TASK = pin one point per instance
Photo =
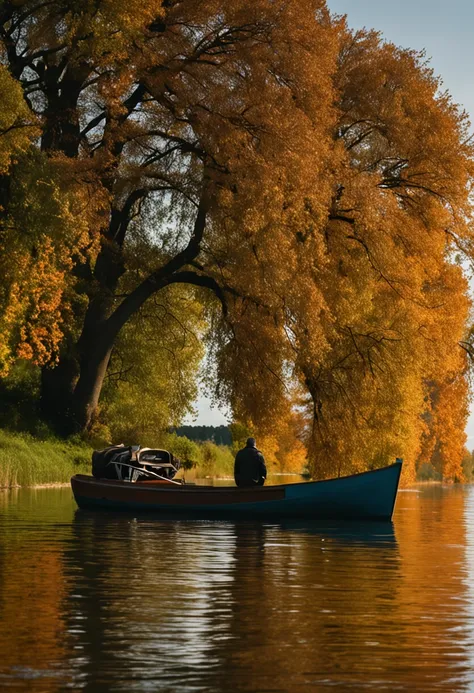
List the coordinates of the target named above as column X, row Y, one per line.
column 99, row 602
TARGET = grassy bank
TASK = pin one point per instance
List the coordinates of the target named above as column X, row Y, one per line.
column 26, row 461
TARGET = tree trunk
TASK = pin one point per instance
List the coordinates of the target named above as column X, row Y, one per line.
column 57, row 387
column 85, row 399
column 70, row 391
column 95, row 347
column 71, row 398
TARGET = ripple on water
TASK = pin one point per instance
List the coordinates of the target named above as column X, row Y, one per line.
column 105, row 602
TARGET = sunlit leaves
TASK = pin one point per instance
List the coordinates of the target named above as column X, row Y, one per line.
column 17, row 124
column 43, row 236
column 152, row 374
column 312, row 182
column 365, row 307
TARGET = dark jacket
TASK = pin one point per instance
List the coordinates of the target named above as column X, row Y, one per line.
column 249, row 467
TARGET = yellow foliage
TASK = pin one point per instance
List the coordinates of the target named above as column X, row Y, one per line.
column 281, row 442
column 17, row 123
column 44, row 235
column 361, row 303
column 315, row 179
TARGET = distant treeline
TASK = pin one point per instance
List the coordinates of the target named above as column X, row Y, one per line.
column 220, row 435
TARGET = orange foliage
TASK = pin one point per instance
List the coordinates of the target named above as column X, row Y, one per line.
column 313, row 181
column 282, row 444
column 44, row 236
column 370, row 307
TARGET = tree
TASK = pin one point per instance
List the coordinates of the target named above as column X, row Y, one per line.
column 312, row 182
column 17, row 126
column 43, row 236
column 375, row 319
column 398, row 308
column 283, row 443
column 173, row 106
column 187, row 451
column 220, row 435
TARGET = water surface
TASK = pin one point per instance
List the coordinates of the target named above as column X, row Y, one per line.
column 102, row 602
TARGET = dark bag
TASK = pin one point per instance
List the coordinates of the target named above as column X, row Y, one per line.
column 101, row 469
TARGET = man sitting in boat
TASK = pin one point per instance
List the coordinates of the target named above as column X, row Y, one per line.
column 249, row 467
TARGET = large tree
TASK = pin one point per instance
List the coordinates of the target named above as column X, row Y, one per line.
column 193, row 111
column 314, row 182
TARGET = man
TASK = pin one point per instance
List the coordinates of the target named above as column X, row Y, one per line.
column 249, row 468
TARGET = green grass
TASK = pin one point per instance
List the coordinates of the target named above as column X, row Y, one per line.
column 26, row 461
column 222, row 469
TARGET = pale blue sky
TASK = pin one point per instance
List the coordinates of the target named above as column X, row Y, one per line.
column 445, row 30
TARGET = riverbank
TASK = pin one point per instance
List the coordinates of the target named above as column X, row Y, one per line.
column 27, row 461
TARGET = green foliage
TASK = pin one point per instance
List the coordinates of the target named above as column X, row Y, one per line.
column 98, row 436
column 468, row 466
column 240, row 432
column 26, row 461
column 217, row 460
column 187, row 451
column 203, row 459
column 151, row 382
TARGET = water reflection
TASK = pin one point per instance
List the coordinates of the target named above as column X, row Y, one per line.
column 32, row 589
column 102, row 602
column 346, row 531
column 185, row 602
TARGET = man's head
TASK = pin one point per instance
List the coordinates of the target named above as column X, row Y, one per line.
column 251, row 443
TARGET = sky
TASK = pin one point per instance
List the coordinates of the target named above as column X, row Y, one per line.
column 445, row 31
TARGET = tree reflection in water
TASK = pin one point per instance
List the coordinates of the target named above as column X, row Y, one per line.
column 125, row 603
column 194, row 603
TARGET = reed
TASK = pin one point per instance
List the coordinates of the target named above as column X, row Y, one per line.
column 26, row 461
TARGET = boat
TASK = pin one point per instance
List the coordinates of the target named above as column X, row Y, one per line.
column 366, row 496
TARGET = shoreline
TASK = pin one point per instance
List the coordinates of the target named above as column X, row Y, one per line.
column 65, row 484
column 54, row 484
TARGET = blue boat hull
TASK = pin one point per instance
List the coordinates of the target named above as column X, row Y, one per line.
column 367, row 496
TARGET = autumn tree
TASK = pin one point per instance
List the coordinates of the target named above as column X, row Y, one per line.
column 311, row 181
column 397, row 302
column 374, row 319
column 189, row 112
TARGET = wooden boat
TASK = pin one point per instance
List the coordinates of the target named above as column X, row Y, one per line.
column 367, row 496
